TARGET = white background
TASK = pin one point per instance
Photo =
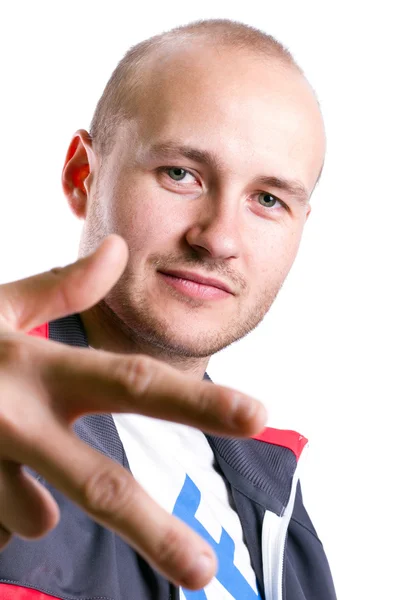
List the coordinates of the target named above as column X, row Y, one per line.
column 326, row 358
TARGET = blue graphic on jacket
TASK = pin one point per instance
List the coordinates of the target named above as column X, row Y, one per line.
column 228, row 574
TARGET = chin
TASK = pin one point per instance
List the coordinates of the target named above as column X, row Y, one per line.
column 152, row 333
column 187, row 341
column 166, row 325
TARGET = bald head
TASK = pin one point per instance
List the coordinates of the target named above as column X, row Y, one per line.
column 120, row 99
column 207, row 144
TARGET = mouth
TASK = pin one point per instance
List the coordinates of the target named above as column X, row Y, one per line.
column 196, row 285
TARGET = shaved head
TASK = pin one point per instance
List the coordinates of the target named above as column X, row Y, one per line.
column 119, row 101
column 204, row 150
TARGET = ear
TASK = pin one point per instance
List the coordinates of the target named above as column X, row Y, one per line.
column 78, row 172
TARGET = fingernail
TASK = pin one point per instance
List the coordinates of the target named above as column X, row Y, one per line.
column 201, row 572
column 244, row 410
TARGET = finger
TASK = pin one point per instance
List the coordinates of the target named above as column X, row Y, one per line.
column 26, row 507
column 110, row 495
column 30, row 302
column 5, row 537
column 83, row 381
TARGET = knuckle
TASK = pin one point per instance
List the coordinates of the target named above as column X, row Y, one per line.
column 64, row 291
column 213, row 405
column 107, row 491
column 172, row 551
column 204, row 400
column 135, row 374
column 70, row 281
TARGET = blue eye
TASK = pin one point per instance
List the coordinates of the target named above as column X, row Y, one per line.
column 176, row 173
column 267, row 200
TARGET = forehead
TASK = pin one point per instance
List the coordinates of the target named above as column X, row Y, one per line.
column 248, row 111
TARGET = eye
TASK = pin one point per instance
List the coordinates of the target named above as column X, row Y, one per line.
column 268, row 200
column 177, row 173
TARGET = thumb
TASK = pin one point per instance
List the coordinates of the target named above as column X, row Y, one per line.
column 30, row 302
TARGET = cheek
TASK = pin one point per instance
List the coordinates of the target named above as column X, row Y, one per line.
column 272, row 255
column 144, row 220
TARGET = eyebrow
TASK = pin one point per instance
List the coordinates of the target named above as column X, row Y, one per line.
column 292, row 187
column 172, row 149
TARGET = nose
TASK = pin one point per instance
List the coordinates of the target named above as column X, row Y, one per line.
column 215, row 231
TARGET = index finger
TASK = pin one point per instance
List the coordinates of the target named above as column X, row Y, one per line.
column 87, row 381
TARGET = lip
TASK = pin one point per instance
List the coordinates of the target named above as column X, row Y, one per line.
column 203, row 280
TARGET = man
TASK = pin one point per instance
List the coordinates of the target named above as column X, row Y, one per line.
column 203, row 154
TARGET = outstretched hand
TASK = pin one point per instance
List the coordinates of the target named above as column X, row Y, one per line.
column 45, row 386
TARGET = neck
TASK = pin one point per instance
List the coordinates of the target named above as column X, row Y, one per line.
column 105, row 331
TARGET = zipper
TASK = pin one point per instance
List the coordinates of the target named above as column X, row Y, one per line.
column 273, row 540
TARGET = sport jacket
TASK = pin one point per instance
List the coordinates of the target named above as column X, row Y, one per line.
column 81, row 560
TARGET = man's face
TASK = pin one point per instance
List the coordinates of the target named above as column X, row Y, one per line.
column 198, row 185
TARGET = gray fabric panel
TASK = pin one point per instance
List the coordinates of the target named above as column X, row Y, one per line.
column 68, row 330
column 246, row 460
column 99, row 430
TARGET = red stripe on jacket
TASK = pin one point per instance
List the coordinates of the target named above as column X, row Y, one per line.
column 16, row 592
column 282, row 437
column 41, row 331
